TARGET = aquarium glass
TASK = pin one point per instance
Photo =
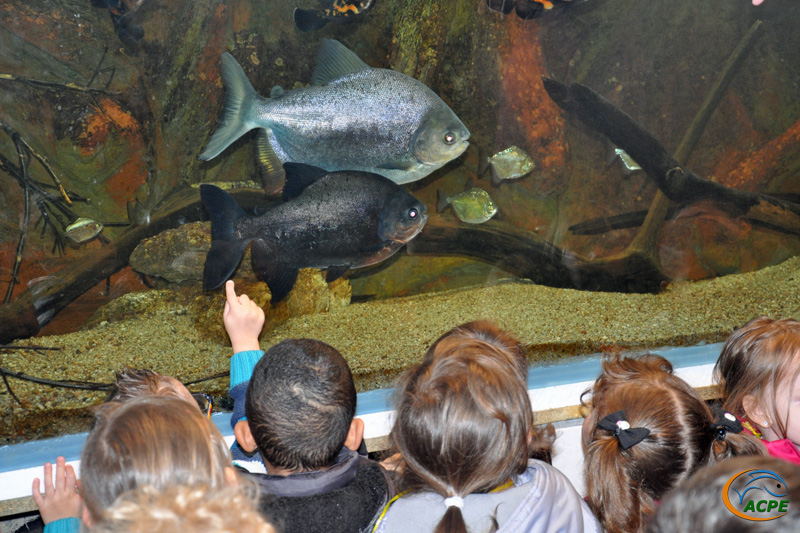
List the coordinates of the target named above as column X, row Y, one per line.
column 591, row 175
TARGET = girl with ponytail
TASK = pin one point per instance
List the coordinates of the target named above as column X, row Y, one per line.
column 464, row 431
column 647, row 431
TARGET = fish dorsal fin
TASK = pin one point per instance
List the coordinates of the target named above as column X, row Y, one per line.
column 298, row 177
column 334, row 60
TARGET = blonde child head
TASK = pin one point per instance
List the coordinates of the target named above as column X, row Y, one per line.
column 195, row 509
column 151, row 441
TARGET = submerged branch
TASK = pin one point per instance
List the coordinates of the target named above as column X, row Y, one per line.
column 527, row 255
column 25, row 316
column 22, row 156
column 55, row 85
column 679, row 184
column 80, row 385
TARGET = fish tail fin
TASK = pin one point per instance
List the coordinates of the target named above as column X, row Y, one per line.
column 239, row 100
column 226, row 249
column 308, row 19
column 442, row 200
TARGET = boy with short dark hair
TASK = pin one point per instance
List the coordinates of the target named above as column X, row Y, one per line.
column 299, row 400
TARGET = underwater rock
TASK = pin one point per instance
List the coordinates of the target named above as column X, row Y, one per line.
column 310, row 295
column 702, row 241
column 177, row 255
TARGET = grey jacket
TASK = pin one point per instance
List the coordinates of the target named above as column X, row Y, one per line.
column 541, row 500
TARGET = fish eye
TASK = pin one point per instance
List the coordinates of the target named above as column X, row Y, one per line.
column 449, row 137
column 412, row 213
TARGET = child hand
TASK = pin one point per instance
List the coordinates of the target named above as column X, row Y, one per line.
column 243, row 320
column 62, row 500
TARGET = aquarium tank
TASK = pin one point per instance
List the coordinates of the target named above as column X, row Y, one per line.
column 591, row 175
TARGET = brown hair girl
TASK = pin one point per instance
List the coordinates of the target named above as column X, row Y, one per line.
column 464, row 421
column 671, row 433
column 755, row 362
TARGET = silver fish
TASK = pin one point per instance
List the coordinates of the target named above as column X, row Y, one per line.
column 473, row 206
column 511, row 163
column 138, row 214
column 629, row 166
column 82, row 230
column 351, row 117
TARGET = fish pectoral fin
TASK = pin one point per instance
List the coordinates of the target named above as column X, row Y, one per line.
column 269, row 165
column 309, row 19
column 280, row 278
column 221, row 261
column 335, row 60
column 335, row 272
column 298, row 177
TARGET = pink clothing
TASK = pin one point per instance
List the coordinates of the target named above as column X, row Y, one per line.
column 783, row 449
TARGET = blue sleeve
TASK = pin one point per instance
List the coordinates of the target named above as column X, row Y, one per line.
column 64, row 525
column 242, row 365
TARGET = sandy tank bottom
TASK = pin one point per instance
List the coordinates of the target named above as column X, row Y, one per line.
column 380, row 338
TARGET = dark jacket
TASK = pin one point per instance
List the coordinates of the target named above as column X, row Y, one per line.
column 346, row 498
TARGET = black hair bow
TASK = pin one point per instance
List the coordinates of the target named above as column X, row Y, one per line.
column 618, row 424
column 724, row 423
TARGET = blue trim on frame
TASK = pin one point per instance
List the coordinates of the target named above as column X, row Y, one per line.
column 573, row 370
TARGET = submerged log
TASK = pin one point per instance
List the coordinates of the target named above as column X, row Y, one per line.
column 679, row 184
column 527, row 255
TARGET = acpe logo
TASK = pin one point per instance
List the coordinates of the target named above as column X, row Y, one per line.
column 756, row 495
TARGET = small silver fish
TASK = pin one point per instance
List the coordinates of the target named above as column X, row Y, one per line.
column 138, row 214
column 629, row 166
column 83, row 229
column 511, row 163
column 473, row 206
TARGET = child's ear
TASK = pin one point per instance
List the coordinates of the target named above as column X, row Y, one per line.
column 355, row 435
column 231, row 478
column 754, row 410
column 86, row 517
column 244, row 437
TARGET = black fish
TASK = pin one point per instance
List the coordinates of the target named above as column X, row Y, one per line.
column 529, row 9
column 328, row 220
column 335, row 10
column 122, row 14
